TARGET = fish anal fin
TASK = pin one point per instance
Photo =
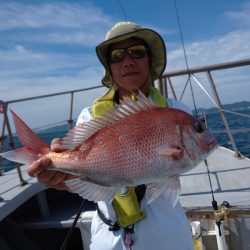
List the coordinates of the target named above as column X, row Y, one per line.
column 91, row 191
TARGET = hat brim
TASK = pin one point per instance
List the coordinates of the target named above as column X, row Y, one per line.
column 156, row 46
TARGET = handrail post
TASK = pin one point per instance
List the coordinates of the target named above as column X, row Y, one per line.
column 160, row 85
column 3, row 126
column 217, row 100
column 70, row 121
column 11, row 142
column 172, row 89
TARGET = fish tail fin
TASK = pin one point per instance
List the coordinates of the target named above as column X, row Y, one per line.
column 21, row 155
column 33, row 148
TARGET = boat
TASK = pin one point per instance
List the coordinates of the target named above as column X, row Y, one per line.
column 215, row 195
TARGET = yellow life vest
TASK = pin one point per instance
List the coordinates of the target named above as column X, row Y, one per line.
column 106, row 102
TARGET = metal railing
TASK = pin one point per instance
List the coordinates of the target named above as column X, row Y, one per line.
column 6, row 124
column 166, row 81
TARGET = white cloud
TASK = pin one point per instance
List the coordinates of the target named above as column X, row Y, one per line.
column 57, row 23
column 230, row 47
column 240, row 16
column 233, row 85
column 48, row 15
column 22, row 62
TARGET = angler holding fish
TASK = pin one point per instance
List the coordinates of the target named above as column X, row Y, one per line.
column 127, row 150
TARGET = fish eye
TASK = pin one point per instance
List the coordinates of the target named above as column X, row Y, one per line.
column 199, row 127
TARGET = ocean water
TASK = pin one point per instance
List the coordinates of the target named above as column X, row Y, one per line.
column 239, row 125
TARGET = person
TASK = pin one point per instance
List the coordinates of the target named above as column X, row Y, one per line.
column 133, row 58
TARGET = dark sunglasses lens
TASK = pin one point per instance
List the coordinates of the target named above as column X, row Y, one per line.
column 137, row 51
column 117, row 55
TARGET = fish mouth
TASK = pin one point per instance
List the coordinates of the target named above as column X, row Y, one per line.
column 212, row 144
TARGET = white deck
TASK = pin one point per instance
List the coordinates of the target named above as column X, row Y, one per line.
column 12, row 194
column 230, row 178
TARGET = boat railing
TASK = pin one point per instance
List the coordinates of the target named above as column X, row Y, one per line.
column 6, row 123
column 166, row 85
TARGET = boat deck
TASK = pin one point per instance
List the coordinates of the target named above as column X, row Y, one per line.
column 230, row 178
column 12, row 194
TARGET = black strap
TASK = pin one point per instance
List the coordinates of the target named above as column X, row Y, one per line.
column 139, row 191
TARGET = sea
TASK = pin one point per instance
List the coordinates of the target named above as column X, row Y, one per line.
column 239, row 125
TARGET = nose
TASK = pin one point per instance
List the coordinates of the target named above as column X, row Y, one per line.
column 128, row 61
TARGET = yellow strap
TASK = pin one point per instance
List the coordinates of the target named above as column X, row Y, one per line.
column 197, row 244
column 106, row 102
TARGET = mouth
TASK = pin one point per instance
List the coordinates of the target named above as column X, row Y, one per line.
column 129, row 74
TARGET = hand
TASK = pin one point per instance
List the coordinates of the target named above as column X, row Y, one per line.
column 51, row 178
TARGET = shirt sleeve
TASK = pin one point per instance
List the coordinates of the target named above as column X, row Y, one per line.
column 85, row 115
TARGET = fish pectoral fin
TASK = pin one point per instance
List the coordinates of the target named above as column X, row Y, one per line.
column 170, row 189
column 174, row 152
column 91, row 191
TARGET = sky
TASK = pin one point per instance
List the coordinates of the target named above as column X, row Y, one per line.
column 49, row 46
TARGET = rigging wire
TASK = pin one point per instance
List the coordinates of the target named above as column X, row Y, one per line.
column 214, row 102
column 185, row 54
column 214, row 202
column 70, row 232
column 123, row 11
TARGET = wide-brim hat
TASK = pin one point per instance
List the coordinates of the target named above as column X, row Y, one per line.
column 125, row 30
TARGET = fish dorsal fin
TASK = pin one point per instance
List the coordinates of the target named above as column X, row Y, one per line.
column 76, row 136
column 91, row 191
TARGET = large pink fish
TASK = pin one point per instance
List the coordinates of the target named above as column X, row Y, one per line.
column 136, row 143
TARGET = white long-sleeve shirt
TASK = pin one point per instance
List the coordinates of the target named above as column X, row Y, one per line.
column 164, row 228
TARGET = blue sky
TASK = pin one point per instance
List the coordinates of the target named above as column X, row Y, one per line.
column 49, row 46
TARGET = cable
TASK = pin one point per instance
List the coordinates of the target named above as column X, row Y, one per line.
column 69, row 234
column 185, row 55
column 123, row 12
column 214, row 202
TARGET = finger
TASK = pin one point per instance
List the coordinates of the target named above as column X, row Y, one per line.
column 56, row 145
column 62, row 185
column 46, row 176
column 54, row 178
column 38, row 166
column 56, row 140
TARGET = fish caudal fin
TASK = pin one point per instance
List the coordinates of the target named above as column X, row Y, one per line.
column 33, row 147
column 21, row 155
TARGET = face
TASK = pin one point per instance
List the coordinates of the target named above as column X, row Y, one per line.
column 130, row 74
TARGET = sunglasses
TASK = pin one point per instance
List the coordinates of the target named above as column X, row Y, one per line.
column 134, row 51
